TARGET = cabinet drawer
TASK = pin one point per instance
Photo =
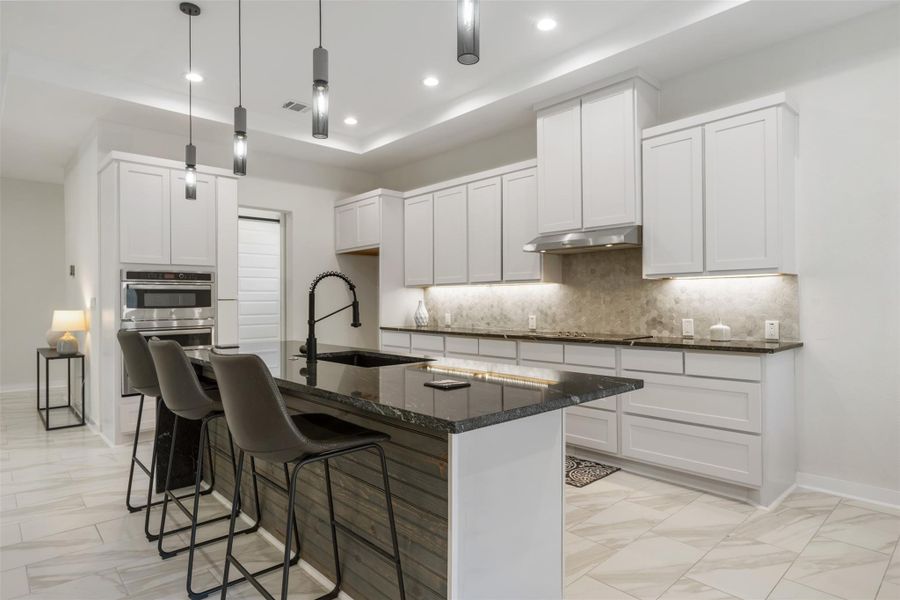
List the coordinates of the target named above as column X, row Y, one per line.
column 461, row 345
column 395, row 339
column 661, row 361
column 501, row 348
column 608, row 403
column 429, row 343
column 729, row 366
column 726, row 455
column 591, row 356
column 591, row 428
column 728, row 404
column 552, row 353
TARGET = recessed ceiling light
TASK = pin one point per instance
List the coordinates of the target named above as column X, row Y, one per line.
column 430, row 81
column 193, row 77
column 350, row 121
column 547, row 24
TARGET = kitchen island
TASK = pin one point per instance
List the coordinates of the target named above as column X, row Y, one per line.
column 476, row 473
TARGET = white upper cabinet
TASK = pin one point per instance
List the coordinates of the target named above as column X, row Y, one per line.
column 485, row 226
column 673, row 203
column 742, row 220
column 520, row 226
column 144, row 214
column 193, row 228
column 450, row 236
column 357, row 225
column 609, row 160
column 745, row 191
column 226, row 239
column 418, row 240
column 559, row 167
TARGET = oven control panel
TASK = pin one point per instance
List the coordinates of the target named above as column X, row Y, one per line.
column 166, row 276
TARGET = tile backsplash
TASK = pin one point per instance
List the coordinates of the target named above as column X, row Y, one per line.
column 604, row 292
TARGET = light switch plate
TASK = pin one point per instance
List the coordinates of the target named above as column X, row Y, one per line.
column 532, row 322
column 447, row 319
column 773, row 330
column 687, row 328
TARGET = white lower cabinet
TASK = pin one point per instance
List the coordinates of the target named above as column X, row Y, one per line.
column 592, row 428
column 717, row 453
column 395, row 341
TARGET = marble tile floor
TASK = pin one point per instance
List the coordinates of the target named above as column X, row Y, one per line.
column 65, row 534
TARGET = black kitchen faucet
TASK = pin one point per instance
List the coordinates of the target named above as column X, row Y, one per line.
column 311, row 322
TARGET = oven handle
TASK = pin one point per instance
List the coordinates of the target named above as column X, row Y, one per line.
column 180, row 286
column 152, row 332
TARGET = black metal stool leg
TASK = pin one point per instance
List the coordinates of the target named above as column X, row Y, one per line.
column 390, row 512
column 165, row 502
column 134, row 459
column 286, row 570
column 334, row 543
column 234, row 512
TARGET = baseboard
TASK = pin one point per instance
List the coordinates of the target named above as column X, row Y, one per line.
column 17, row 389
column 850, row 489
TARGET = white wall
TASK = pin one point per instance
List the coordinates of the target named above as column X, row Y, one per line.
column 32, row 277
column 846, row 84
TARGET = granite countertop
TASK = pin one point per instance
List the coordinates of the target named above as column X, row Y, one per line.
column 619, row 339
column 498, row 394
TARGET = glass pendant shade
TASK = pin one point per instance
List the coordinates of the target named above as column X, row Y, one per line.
column 320, row 93
column 240, row 140
column 190, row 172
column 467, row 31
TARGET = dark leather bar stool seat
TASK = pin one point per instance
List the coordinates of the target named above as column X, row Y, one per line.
column 142, row 377
column 183, row 395
column 262, row 427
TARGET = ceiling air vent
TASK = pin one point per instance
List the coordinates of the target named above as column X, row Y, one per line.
column 295, row 106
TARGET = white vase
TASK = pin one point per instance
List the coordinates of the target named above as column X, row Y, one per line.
column 53, row 337
column 421, row 316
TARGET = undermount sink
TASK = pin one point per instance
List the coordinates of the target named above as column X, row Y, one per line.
column 358, row 358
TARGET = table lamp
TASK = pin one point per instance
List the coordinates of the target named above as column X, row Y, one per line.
column 68, row 321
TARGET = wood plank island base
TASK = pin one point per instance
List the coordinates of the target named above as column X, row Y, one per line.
column 476, row 473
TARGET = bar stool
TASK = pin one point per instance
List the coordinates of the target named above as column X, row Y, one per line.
column 262, row 428
column 142, row 377
column 184, row 396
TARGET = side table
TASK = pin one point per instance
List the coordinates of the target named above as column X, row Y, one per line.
column 50, row 354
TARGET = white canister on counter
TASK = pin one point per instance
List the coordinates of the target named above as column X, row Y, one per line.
column 720, row 332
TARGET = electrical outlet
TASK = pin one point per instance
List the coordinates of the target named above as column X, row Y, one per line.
column 772, row 330
column 532, row 322
column 687, row 328
column 447, row 319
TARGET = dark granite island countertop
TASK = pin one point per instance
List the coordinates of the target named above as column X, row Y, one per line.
column 498, row 392
column 617, row 339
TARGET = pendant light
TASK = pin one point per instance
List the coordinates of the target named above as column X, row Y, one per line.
column 467, row 31
column 320, row 87
column 190, row 151
column 240, row 115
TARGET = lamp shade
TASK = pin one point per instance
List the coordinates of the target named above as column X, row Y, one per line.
column 68, row 320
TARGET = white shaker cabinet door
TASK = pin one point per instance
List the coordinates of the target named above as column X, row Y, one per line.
column 559, row 167
column 368, row 222
column 144, row 214
column 346, row 227
column 418, row 240
column 193, row 221
column 608, row 140
column 520, row 226
column 485, row 231
column 450, row 236
column 673, row 204
column 742, row 212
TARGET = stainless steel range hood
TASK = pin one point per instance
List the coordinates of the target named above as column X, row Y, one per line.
column 586, row 241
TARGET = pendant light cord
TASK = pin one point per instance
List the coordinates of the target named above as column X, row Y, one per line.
column 190, row 83
column 240, row 74
column 320, row 23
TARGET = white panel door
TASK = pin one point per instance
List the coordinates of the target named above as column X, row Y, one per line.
column 259, row 280
column 673, row 203
column 559, row 167
column 193, row 221
column 485, row 214
column 520, row 226
column 226, row 238
column 144, row 214
column 346, row 227
column 450, row 238
column 608, row 139
column 368, row 222
column 742, row 224
column 418, row 240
